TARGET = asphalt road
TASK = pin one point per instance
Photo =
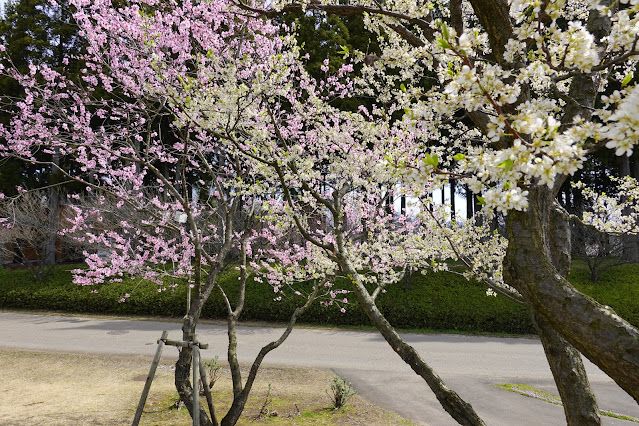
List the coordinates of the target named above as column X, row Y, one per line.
column 470, row 365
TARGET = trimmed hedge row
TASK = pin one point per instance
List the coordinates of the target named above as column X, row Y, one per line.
column 618, row 288
column 436, row 300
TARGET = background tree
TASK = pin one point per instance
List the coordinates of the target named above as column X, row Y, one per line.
column 369, row 245
column 35, row 31
column 603, row 231
column 27, row 227
column 43, row 32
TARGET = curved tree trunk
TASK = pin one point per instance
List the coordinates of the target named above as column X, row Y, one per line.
column 595, row 330
column 49, row 251
column 241, row 394
column 459, row 409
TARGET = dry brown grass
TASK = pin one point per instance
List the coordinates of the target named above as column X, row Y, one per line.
column 74, row 389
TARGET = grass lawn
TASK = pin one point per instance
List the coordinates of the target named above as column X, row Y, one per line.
column 43, row 388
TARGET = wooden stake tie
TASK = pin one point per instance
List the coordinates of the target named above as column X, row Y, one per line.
column 198, row 372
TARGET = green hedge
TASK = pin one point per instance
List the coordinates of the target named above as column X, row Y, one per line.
column 436, row 300
column 618, row 288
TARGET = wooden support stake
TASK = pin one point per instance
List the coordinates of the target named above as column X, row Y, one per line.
column 188, row 300
column 207, row 392
column 196, row 384
column 181, row 344
column 149, row 379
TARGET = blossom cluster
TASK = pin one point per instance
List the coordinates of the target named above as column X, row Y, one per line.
column 525, row 135
column 616, row 213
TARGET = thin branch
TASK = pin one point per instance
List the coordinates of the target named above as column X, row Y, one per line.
column 493, row 284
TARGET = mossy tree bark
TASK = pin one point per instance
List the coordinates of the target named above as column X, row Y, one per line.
column 542, row 232
column 595, row 330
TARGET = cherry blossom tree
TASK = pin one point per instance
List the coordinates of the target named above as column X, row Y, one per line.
column 545, row 84
column 333, row 168
column 201, row 107
column 617, row 213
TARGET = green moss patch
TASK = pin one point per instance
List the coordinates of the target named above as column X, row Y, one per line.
column 554, row 399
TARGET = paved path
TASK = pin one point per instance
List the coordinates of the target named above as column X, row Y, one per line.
column 469, row 365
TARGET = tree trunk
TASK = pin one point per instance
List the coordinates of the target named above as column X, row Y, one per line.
column 624, row 165
column 595, row 330
column 580, row 405
column 48, row 254
column 240, row 395
column 183, row 364
column 479, row 220
column 470, row 205
column 459, row 409
column 443, row 195
column 240, row 398
column 452, row 202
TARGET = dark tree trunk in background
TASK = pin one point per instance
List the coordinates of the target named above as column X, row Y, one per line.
column 470, row 205
column 49, row 249
column 49, row 252
column 452, row 201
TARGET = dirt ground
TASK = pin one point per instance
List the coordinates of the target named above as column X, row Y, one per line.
column 74, row 389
